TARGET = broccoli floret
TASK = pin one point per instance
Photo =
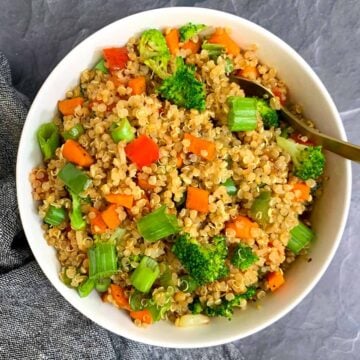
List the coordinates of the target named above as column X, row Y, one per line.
column 196, row 307
column 182, row 88
column 190, row 30
column 205, row 263
column 154, row 52
column 243, row 257
column 269, row 116
column 309, row 161
column 226, row 308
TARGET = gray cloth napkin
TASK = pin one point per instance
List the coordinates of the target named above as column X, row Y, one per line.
column 35, row 321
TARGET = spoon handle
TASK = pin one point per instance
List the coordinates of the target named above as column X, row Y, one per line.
column 342, row 148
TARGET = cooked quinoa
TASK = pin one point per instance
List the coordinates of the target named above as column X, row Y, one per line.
column 253, row 160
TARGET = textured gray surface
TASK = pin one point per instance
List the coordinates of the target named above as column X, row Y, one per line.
column 35, row 35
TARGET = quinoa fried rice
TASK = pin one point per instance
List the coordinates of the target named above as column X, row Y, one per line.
column 252, row 159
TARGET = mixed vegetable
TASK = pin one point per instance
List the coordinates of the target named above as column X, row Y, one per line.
column 179, row 83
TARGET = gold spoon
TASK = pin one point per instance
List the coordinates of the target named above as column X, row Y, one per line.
column 342, row 148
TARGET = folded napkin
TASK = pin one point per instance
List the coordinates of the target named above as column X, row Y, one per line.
column 35, row 321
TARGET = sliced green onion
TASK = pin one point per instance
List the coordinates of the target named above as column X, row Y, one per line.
column 242, row 114
column 102, row 285
column 145, row 274
column 229, row 66
column 260, row 208
column 230, row 186
column 158, row 225
column 301, row 236
column 138, row 301
column 166, row 276
column 122, row 131
column 117, row 235
column 75, row 179
column 101, row 66
column 55, row 216
column 188, row 284
column 213, row 50
column 77, row 221
column 49, row 139
column 156, row 311
column 86, row 287
column 74, row 133
column 102, row 260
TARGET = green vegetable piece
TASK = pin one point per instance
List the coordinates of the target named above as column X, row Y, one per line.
column 158, row 225
column 166, row 276
column 183, row 89
column 138, row 300
column 229, row 66
column 154, row 52
column 117, row 235
column 196, row 307
column 189, row 30
column 86, row 287
column 301, row 236
column 55, row 216
column 269, row 116
column 74, row 133
column 230, row 186
column 102, row 285
column 145, row 274
column 188, row 284
column 308, row 161
column 259, row 211
column 77, row 221
column 48, row 139
column 203, row 263
column 243, row 257
column 213, row 50
column 75, row 179
column 122, row 131
column 226, row 308
column 101, row 66
column 102, row 260
column 242, row 113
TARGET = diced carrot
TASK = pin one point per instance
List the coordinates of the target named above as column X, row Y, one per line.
column 249, row 72
column 197, row 199
column 302, row 191
column 275, row 280
column 67, row 106
column 137, row 85
column 221, row 37
column 142, row 151
column 179, row 161
column 201, row 147
column 172, row 41
column 116, row 81
column 193, row 46
column 111, row 217
column 118, row 294
column 144, row 184
column 120, row 199
column 97, row 223
column 116, row 58
column 143, row 315
column 75, row 153
column 280, row 94
column 242, row 226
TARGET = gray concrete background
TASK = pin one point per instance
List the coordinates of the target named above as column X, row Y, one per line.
column 35, row 36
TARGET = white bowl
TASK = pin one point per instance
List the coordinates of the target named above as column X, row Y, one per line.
column 329, row 217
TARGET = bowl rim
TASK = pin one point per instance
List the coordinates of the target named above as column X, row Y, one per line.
column 196, row 11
